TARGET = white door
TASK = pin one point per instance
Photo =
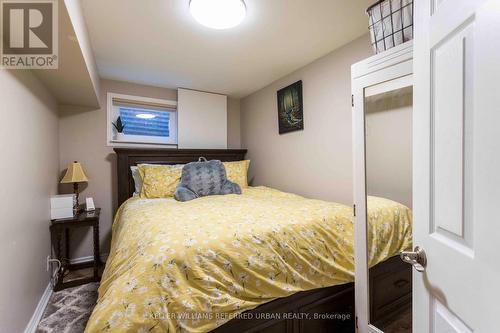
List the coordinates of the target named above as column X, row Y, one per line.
column 457, row 165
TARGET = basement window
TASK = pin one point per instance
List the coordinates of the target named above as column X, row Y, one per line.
column 134, row 120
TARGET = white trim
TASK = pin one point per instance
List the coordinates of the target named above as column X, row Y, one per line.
column 79, row 260
column 388, row 86
column 388, row 58
column 136, row 141
column 40, row 308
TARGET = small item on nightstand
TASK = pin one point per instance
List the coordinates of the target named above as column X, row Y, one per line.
column 61, row 206
column 75, row 175
column 89, row 203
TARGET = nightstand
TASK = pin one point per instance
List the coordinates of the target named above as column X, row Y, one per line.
column 74, row 274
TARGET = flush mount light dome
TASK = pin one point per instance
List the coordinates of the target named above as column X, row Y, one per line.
column 218, row 14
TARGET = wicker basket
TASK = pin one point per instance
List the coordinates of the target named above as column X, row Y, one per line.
column 390, row 23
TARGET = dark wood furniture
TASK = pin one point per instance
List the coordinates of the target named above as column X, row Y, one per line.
column 128, row 157
column 59, row 235
column 390, row 291
column 328, row 309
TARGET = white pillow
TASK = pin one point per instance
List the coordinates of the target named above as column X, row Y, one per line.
column 137, row 179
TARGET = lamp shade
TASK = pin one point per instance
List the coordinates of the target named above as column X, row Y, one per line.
column 74, row 174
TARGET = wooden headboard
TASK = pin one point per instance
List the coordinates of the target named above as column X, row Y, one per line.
column 127, row 157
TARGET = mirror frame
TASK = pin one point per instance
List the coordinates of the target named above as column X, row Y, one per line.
column 386, row 71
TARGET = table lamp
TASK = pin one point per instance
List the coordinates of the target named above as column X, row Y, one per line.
column 75, row 175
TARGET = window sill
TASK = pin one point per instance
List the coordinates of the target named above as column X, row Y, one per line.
column 139, row 139
column 140, row 144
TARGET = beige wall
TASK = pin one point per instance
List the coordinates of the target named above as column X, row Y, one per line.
column 315, row 162
column 233, row 123
column 29, row 165
column 83, row 138
column 388, row 127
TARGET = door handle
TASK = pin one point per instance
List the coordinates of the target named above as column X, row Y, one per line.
column 417, row 258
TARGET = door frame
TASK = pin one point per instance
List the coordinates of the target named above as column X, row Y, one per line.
column 387, row 71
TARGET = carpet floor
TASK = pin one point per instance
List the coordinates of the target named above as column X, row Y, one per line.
column 69, row 310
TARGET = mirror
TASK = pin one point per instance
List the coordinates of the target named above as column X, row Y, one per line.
column 388, row 162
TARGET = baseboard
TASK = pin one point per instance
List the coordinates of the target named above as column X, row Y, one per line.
column 40, row 308
column 104, row 257
column 44, row 300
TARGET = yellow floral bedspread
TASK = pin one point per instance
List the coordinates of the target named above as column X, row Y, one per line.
column 191, row 266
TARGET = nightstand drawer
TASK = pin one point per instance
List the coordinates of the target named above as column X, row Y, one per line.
column 390, row 290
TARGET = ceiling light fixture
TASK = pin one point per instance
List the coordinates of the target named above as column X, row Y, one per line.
column 145, row 116
column 218, row 14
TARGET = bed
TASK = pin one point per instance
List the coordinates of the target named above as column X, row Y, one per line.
column 264, row 261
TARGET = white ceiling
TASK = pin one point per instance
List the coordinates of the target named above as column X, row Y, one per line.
column 157, row 42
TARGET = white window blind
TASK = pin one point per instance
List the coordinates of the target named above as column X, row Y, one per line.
column 139, row 120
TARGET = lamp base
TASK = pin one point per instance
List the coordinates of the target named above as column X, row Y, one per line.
column 77, row 210
column 76, row 204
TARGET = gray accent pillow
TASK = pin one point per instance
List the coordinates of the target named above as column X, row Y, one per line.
column 204, row 178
